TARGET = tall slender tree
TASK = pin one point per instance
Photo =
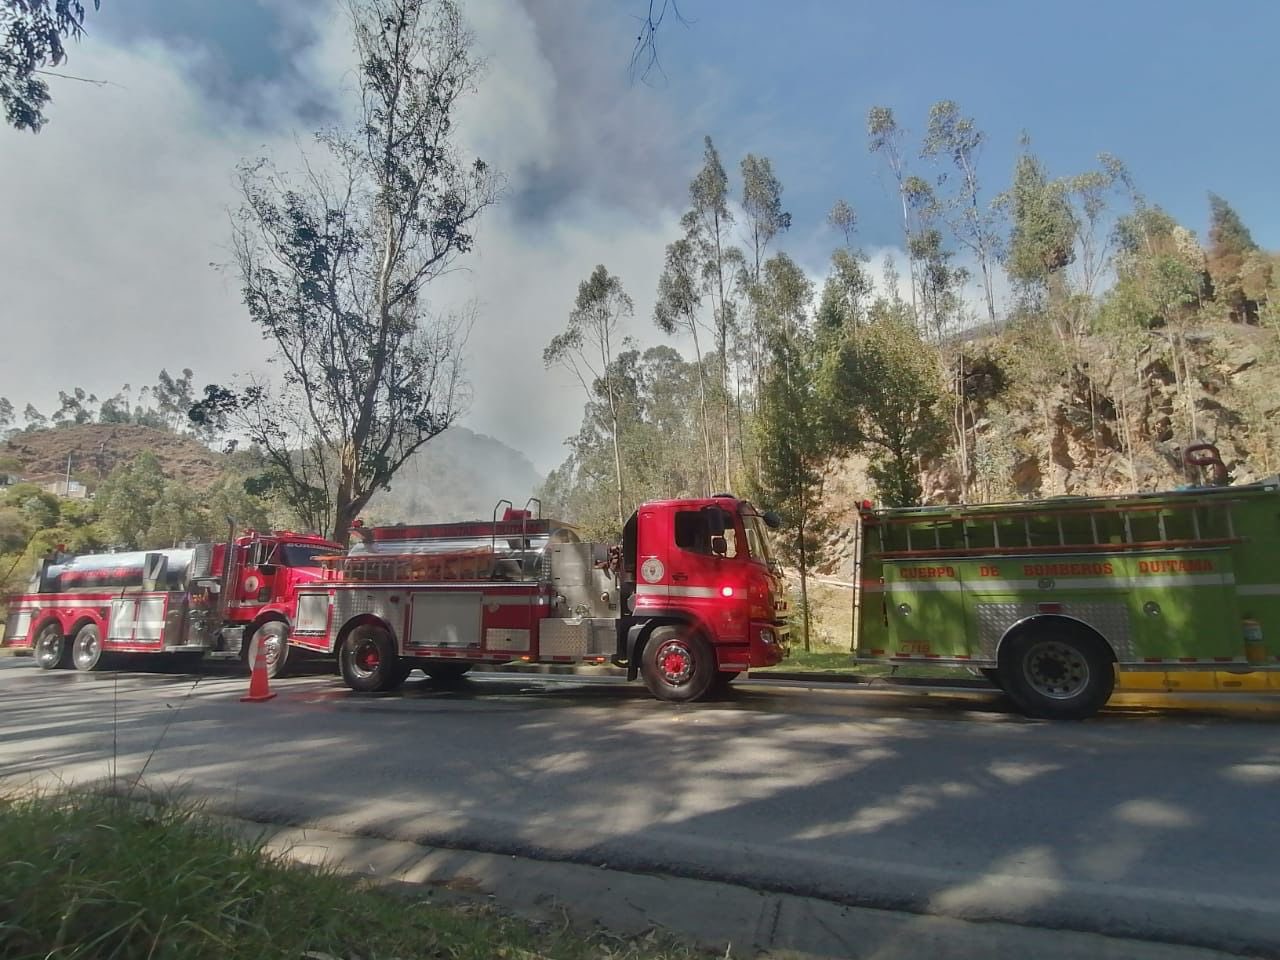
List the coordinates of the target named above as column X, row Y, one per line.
column 765, row 220
column 794, row 438
column 676, row 310
column 709, row 193
column 886, row 138
column 335, row 267
column 587, row 348
column 957, row 139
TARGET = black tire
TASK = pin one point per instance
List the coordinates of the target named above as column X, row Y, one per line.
column 369, row 661
column 273, row 637
column 50, row 648
column 678, row 664
column 444, row 671
column 86, row 648
column 1057, row 672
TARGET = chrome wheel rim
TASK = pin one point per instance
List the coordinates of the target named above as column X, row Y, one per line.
column 365, row 658
column 87, row 649
column 270, row 640
column 675, row 662
column 48, row 647
column 1056, row 670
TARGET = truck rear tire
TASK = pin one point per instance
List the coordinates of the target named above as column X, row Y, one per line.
column 678, row 665
column 50, row 647
column 275, row 635
column 369, row 661
column 1057, row 672
column 86, row 648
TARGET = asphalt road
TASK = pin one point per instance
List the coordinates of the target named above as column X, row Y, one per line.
column 1142, row 823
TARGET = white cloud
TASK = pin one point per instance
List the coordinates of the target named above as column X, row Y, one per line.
column 115, row 212
column 113, row 215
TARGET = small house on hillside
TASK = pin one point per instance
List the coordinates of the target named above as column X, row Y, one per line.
column 67, row 489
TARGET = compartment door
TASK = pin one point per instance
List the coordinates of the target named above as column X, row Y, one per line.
column 445, row 620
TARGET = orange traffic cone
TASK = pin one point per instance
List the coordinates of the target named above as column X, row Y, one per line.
column 259, row 687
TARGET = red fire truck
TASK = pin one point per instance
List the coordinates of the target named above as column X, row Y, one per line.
column 689, row 598
column 189, row 601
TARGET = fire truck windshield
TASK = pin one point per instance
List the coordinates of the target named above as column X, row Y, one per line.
column 757, row 538
column 301, row 555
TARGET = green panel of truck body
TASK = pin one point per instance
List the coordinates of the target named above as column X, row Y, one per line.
column 1164, row 578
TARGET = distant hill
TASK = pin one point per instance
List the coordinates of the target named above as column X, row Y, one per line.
column 459, row 475
column 95, row 448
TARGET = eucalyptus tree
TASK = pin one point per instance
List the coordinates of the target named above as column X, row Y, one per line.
column 587, row 347
column 765, row 220
column 676, row 310
column 886, row 138
column 32, row 39
column 336, row 262
column 953, row 137
column 709, row 194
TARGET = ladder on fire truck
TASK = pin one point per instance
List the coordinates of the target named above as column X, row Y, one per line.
column 453, row 556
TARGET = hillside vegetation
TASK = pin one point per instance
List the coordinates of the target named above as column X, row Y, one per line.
column 97, row 449
column 151, row 486
column 1054, row 335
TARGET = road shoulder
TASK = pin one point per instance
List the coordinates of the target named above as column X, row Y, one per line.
column 730, row 920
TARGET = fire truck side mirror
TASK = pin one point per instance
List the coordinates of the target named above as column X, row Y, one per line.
column 771, row 519
column 719, row 546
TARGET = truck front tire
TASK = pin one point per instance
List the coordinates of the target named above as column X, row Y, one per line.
column 369, row 661
column 678, row 664
column 1057, row 672
column 274, row 634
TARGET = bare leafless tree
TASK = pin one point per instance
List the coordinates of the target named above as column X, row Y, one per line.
column 644, row 57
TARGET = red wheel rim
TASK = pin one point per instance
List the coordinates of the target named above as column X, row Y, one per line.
column 367, row 657
column 675, row 662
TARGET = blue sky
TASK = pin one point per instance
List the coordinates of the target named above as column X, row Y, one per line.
column 1183, row 92
column 597, row 166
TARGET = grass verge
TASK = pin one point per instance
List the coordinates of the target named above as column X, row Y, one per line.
column 96, row 877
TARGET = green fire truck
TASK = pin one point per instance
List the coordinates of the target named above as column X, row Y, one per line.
column 1049, row 598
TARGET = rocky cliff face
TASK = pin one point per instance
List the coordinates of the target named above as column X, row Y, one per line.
column 1093, row 419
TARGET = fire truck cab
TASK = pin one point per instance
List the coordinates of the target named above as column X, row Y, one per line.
column 687, row 599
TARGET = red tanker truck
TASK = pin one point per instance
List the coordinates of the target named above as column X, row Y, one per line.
column 202, row 600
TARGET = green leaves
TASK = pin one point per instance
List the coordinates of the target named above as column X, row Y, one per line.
column 882, row 395
column 32, row 33
column 336, row 262
column 1042, row 241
